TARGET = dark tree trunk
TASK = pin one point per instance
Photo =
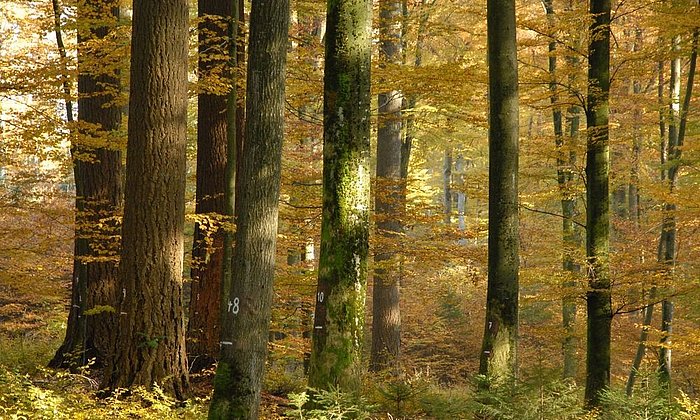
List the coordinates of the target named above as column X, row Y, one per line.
column 498, row 359
column 98, row 179
column 565, row 164
column 599, row 306
column 386, row 314
column 447, row 186
column 207, row 247
column 340, row 296
column 246, row 313
column 149, row 346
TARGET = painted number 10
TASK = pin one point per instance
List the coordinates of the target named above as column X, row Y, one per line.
column 320, row 297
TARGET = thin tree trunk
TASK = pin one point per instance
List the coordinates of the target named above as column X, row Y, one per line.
column 340, row 297
column 246, row 320
column 208, row 242
column 498, row 361
column 386, row 314
column 447, row 186
column 599, row 305
column 98, row 179
column 149, row 346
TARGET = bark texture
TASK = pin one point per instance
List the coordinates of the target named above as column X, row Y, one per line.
column 340, row 297
column 247, row 309
column 212, row 155
column 149, row 346
column 97, row 168
column 598, row 298
column 498, row 361
column 386, row 314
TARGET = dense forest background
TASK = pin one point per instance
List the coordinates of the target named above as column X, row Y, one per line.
column 428, row 237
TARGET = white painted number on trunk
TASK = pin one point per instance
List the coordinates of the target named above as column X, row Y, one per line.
column 235, row 306
column 320, row 296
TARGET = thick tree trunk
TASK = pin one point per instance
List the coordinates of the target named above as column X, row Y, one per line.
column 498, row 361
column 246, row 321
column 340, row 297
column 386, row 314
column 98, row 179
column 599, row 305
column 207, row 248
column 149, row 346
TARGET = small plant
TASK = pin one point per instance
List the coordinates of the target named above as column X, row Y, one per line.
column 332, row 404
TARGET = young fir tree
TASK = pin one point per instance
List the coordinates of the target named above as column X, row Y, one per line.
column 340, row 296
column 149, row 345
column 246, row 312
column 97, row 168
column 499, row 348
column 386, row 315
column 212, row 126
column 598, row 298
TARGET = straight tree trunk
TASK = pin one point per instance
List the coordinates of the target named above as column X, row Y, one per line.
column 676, row 136
column 149, row 345
column 447, row 186
column 498, row 361
column 98, row 179
column 246, row 314
column 565, row 163
column 386, row 314
column 598, row 298
column 340, row 296
column 212, row 155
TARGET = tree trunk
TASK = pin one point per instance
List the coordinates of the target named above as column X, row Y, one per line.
column 565, row 163
column 498, row 361
column 207, row 248
column 460, row 167
column 447, row 186
column 149, row 346
column 386, row 314
column 676, row 135
column 340, row 297
column 98, row 179
column 246, row 314
column 598, row 298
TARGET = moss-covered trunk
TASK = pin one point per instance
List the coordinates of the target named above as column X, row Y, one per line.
column 498, row 361
column 598, row 297
column 340, row 296
column 246, row 313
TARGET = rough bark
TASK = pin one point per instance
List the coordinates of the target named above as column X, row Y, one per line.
column 598, row 298
column 207, row 248
column 97, row 168
column 498, row 361
column 386, row 314
column 149, row 346
column 340, row 297
column 247, row 310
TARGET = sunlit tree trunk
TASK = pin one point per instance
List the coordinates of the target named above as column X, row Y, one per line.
column 598, row 298
column 207, row 248
column 498, row 361
column 98, row 179
column 246, row 314
column 149, row 346
column 340, row 296
column 386, row 315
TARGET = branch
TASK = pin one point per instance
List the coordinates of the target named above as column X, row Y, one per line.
column 552, row 214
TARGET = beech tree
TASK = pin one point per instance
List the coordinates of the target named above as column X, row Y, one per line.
column 342, row 274
column 386, row 315
column 97, row 168
column 246, row 309
column 598, row 297
column 499, row 348
column 149, row 344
